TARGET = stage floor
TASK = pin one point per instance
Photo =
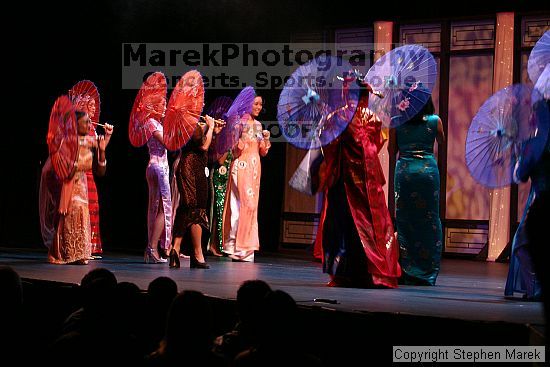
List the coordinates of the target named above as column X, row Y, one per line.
column 466, row 290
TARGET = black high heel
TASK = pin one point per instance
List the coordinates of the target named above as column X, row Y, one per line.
column 164, row 253
column 174, row 259
column 195, row 264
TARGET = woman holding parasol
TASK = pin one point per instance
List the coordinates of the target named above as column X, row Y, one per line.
column 355, row 232
column 146, row 127
column 219, row 165
column 184, row 131
column 240, row 217
column 85, row 97
column 71, row 243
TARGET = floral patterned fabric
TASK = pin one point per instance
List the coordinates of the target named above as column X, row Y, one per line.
column 417, row 202
column 157, row 175
column 240, row 220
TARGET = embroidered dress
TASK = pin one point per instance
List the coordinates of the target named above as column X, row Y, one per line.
column 71, row 242
column 355, row 233
column 417, row 202
column 93, row 206
column 157, row 174
column 220, row 179
column 240, row 218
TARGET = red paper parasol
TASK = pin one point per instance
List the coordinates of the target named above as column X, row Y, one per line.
column 63, row 137
column 184, row 109
column 85, row 97
column 147, row 103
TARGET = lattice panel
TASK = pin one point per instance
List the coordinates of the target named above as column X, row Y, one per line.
column 473, row 35
column 465, row 240
column 356, row 43
column 354, row 36
column 300, row 232
column 427, row 35
column 532, row 28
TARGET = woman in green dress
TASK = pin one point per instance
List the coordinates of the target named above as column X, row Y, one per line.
column 219, row 178
column 417, row 197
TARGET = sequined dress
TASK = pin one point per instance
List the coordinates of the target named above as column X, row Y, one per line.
column 220, row 178
column 192, row 185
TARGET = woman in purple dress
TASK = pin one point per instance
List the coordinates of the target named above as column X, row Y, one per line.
column 159, row 213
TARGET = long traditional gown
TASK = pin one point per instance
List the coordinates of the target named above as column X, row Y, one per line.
column 521, row 272
column 71, row 242
column 93, row 206
column 220, row 177
column 157, row 174
column 355, row 230
column 48, row 206
column 240, row 218
column 417, row 202
column 192, row 185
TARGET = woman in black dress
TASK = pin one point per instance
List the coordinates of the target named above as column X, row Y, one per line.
column 191, row 176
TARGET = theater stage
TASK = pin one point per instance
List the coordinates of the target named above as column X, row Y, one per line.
column 467, row 307
column 465, row 290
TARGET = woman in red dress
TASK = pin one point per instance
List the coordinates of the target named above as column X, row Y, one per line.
column 85, row 97
column 356, row 235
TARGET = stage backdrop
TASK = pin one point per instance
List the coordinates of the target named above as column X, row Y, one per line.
column 465, row 53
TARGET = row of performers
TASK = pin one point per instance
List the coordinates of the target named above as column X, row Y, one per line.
column 178, row 211
column 356, row 237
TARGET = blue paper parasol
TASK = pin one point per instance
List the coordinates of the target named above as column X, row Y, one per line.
column 396, row 75
column 316, row 104
column 231, row 132
column 302, row 179
column 219, row 107
column 539, row 57
column 495, row 137
column 534, row 148
column 542, row 86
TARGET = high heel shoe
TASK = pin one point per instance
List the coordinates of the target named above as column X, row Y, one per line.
column 215, row 252
column 195, row 264
column 152, row 256
column 164, row 253
column 174, row 259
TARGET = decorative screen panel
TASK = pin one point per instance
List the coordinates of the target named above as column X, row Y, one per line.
column 532, row 28
column 470, row 84
column 427, row 35
column 472, row 35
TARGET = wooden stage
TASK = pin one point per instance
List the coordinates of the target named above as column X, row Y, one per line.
column 465, row 290
column 466, row 307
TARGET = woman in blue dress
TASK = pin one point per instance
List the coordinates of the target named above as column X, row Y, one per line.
column 417, row 197
column 521, row 273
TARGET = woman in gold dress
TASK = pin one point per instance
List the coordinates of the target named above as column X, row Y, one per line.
column 71, row 243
